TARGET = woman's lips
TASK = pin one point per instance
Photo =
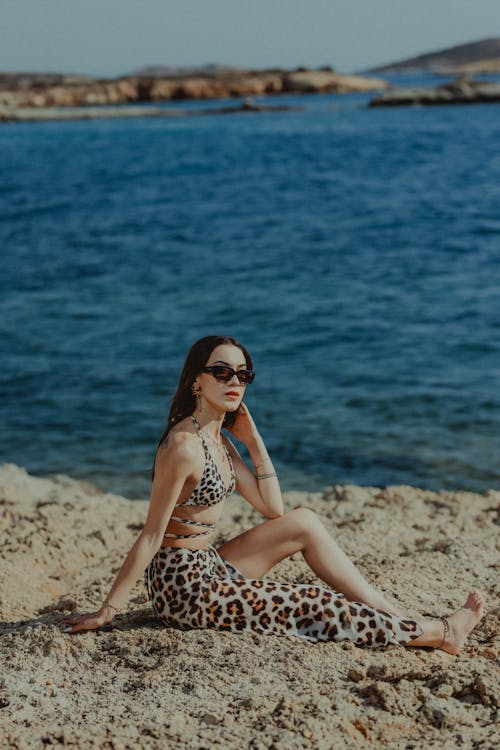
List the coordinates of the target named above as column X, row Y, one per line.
column 232, row 394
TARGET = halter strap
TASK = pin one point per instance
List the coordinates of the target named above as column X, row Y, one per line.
column 200, row 433
column 207, row 450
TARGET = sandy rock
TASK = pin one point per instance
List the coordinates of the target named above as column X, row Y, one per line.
column 136, row 684
column 156, row 90
column 313, row 81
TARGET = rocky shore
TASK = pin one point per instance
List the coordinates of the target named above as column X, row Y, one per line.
column 136, row 684
column 23, row 91
column 463, row 90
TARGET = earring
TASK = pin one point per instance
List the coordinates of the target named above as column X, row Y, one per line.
column 196, row 390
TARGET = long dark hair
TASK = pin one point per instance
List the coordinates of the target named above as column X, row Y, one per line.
column 184, row 402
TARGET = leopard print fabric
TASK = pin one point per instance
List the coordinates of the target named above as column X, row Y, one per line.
column 210, row 490
column 192, row 589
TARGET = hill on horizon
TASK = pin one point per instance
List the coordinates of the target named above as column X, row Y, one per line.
column 173, row 71
column 459, row 55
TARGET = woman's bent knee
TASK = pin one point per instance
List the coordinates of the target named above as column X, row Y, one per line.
column 305, row 519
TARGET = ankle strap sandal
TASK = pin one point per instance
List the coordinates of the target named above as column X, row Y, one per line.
column 446, row 630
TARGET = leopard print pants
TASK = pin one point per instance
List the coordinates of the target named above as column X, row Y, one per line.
column 199, row 589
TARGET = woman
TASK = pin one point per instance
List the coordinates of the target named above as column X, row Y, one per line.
column 191, row 584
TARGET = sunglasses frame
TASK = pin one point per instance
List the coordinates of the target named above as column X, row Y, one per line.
column 211, row 369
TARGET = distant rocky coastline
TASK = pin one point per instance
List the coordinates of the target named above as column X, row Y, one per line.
column 24, row 91
column 462, row 90
column 89, row 112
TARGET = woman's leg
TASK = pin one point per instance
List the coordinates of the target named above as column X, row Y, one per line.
column 200, row 590
column 259, row 549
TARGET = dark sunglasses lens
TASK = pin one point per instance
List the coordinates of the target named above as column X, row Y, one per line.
column 245, row 376
column 223, row 374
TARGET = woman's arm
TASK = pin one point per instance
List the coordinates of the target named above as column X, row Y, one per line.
column 262, row 489
column 173, row 465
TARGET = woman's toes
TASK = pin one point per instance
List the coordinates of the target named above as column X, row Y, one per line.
column 475, row 601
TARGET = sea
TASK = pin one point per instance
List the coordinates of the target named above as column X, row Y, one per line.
column 354, row 251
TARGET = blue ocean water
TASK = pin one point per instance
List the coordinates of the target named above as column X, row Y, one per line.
column 354, row 251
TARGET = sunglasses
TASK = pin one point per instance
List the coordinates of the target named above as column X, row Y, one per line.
column 224, row 374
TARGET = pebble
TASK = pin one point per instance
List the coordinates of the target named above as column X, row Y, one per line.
column 210, row 719
column 356, row 675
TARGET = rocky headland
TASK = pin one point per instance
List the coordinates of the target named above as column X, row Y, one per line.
column 462, row 90
column 135, row 684
column 41, row 91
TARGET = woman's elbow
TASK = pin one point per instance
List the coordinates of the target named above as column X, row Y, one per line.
column 150, row 538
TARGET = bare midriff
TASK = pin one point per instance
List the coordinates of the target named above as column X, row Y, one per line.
column 199, row 513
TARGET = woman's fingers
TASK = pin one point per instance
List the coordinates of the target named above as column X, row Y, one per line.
column 81, row 622
column 87, row 624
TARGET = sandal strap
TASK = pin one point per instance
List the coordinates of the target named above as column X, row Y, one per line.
column 446, row 630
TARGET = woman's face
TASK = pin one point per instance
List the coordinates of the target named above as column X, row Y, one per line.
column 226, row 396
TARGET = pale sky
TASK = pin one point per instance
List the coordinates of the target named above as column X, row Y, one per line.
column 114, row 37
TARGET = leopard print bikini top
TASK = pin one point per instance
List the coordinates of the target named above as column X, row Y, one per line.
column 210, row 490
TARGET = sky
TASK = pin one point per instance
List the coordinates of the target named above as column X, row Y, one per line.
column 115, row 37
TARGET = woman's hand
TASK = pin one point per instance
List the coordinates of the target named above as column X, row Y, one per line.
column 87, row 621
column 244, row 428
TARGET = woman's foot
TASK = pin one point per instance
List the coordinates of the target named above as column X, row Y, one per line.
column 462, row 622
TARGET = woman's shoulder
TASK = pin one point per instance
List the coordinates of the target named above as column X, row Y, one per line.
column 181, row 441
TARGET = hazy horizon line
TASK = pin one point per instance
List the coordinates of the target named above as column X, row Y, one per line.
column 208, row 65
